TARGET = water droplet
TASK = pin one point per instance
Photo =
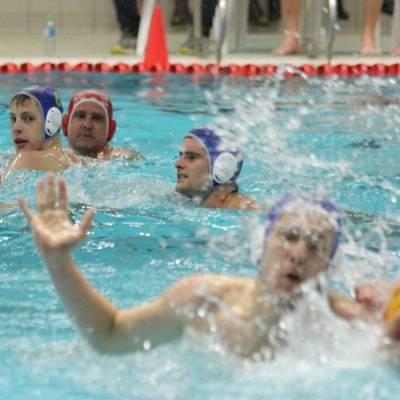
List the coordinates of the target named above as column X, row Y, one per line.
column 147, row 345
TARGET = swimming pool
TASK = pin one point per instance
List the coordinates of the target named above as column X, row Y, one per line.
column 340, row 136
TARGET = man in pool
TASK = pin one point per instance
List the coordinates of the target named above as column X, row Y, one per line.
column 300, row 240
column 90, row 127
column 207, row 170
column 35, row 116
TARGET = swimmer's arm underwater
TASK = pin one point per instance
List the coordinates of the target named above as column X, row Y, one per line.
column 107, row 329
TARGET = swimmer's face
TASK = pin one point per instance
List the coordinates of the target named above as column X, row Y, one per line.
column 87, row 129
column 26, row 125
column 193, row 177
column 297, row 249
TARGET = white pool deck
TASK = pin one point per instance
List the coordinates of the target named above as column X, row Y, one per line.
column 94, row 48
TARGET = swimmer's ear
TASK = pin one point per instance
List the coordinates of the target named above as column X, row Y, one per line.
column 111, row 131
column 64, row 124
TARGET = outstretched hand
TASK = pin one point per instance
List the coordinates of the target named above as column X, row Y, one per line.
column 373, row 296
column 51, row 226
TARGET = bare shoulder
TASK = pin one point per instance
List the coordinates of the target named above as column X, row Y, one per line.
column 53, row 160
column 27, row 159
column 73, row 157
column 198, row 287
column 245, row 203
column 127, row 154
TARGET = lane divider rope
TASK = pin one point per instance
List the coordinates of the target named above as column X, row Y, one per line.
column 355, row 70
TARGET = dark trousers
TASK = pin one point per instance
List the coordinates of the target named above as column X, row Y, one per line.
column 207, row 15
column 127, row 16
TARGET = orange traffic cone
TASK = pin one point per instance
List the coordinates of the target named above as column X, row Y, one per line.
column 156, row 54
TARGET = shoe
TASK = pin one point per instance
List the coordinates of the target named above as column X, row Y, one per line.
column 125, row 46
column 194, row 46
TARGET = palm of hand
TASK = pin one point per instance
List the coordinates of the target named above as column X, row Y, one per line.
column 54, row 230
column 51, row 225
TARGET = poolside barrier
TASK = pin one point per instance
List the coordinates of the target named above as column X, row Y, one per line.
column 162, row 66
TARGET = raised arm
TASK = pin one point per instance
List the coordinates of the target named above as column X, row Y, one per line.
column 106, row 328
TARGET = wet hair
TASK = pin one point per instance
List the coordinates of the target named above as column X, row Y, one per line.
column 21, row 98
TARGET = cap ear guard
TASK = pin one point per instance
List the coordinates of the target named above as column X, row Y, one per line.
column 52, row 123
column 224, row 165
column 64, row 124
column 225, row 168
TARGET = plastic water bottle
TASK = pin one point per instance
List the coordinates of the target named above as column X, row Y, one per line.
column 49, row 35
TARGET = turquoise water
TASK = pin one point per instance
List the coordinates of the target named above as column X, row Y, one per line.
column 337, row 136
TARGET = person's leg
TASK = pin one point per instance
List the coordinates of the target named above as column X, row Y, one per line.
column 192, row 45
column 372, row 9
column 290, row 10
column 256, row 13
column 207, row 15
column 274, row 10
column 181, row 14
column 127, row 16
column 128, row 20
column 388, row 7
column 341, row 12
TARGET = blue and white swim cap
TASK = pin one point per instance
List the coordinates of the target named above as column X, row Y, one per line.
column 224, row 161
column 292, row 201
column 50, row 106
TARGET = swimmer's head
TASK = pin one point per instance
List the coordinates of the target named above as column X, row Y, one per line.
column 303, row 202
column 49, row 104
column 93, row 96
column 300, row 240
column 224, row 161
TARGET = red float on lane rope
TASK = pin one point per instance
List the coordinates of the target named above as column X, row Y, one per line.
column 342, row 69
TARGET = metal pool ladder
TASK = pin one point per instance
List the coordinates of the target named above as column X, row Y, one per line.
column 313, row 13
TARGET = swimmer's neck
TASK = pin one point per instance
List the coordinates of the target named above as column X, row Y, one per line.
column 51, row 144
column 265, row 295
column 102, row 154
column 219, row 197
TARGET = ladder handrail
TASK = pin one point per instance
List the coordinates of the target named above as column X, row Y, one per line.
column 332, row 14
column 223, row 15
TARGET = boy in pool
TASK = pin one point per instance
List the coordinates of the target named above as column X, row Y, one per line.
column 35, row 116
column 207, row 170
column 301, row 238
column 90, row 127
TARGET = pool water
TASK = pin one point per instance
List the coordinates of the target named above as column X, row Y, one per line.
column 341, row 137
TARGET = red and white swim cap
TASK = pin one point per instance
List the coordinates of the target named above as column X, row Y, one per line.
column 95, row 96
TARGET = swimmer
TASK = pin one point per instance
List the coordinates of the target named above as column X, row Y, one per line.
column 207, row 170
column 90, row 127
column 35, row 116
column 301, row 238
